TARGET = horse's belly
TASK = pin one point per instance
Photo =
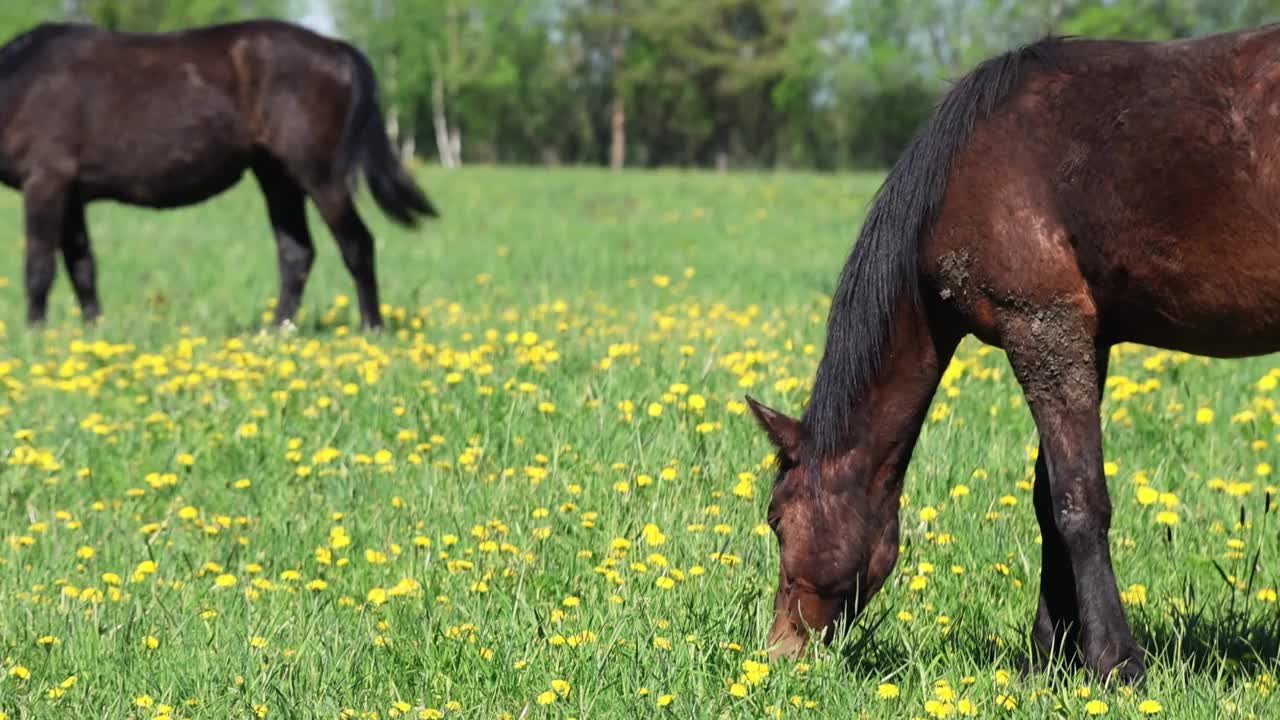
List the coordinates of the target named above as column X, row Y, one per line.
column 165, row 149
column 1199, row 342
column 1216, row 317
column 174, row 182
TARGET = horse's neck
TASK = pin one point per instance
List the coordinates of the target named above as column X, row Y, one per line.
column 885, row 421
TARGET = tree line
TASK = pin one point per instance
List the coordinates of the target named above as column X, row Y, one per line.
column 819, row 84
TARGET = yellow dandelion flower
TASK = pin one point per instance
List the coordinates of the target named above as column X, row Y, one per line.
column 938, row 709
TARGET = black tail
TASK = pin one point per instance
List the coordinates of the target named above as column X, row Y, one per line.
column 365, row 146
column 882, row 269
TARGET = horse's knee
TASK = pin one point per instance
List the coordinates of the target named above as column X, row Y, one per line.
column 1082, row 514
column 297, row 256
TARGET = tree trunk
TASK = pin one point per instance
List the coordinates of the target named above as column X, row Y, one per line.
column 393, row 124
column 409, row 147
column 455, row 145
column 438, row 118
column 618, row 142
column 618, row 108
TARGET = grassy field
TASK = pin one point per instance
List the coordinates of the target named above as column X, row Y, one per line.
column 537, row 494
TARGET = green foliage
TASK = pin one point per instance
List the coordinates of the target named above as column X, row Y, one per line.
column 812, row 83
column 161, row 15
column 751, row 83
column 16, row 17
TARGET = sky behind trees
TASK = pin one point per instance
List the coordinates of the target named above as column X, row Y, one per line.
column 820, row 84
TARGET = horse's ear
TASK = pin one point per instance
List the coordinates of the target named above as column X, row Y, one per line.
column 786, row 433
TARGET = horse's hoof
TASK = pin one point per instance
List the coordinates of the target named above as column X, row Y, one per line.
column 1131, row 672
column 1127, row 668
column 1030, row 667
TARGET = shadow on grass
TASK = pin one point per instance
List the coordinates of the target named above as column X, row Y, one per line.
column 313, row 325
column 1233, row 643
column 1228, row 640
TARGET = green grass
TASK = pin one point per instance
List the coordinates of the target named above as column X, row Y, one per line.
column 543, row 563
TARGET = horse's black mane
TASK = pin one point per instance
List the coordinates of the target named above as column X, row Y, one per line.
column 882, row 268
column 23, row 46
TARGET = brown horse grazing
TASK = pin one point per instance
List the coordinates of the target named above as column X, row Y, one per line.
column 1064, row 197
column 173, row 119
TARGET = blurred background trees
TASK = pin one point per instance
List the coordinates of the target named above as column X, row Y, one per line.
column 821, row 84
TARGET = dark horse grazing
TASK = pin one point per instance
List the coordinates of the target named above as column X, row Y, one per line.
column 173, row 119
column 1064, row 197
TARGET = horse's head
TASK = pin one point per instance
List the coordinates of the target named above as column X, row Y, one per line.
column 837, row 530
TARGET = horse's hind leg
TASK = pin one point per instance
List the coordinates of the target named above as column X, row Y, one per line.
column 286, row 206
column 44, row 200
column 356, row 243
column 78, row 256
column 1054, row 355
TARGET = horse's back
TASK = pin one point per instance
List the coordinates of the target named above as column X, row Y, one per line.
column 169, row 119
column 1142, row 179
column 283, row 89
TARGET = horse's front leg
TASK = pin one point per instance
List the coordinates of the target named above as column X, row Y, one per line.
column 44, row 198
column 1056, row 629
column 1055, row 358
